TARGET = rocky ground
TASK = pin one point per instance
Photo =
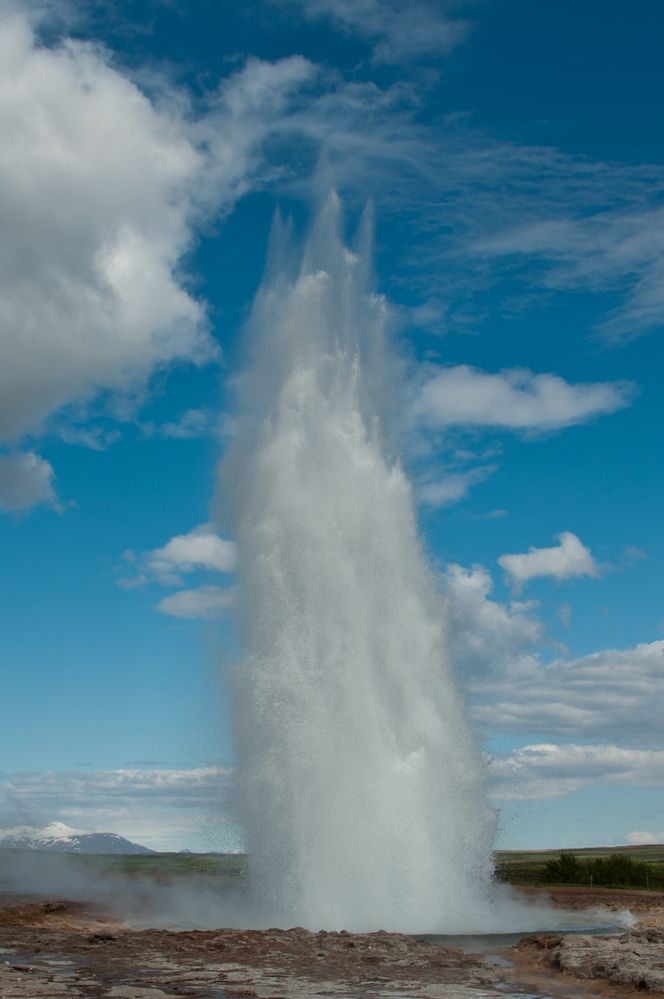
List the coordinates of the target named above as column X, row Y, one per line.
column 607, row 965
column 51, row 948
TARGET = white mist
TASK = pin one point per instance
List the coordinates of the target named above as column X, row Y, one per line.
column 361, row 790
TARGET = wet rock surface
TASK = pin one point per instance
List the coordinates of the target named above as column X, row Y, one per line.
column 56, row 948
column 52, row 949
column 634, row 959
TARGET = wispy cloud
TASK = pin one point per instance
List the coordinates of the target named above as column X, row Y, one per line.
column 567, row 560
column 565, row 615
column 202, row 602
column 550, row 770
column 495, row 209
column 614, row 248
column 449, row 489
column 614, row 694
column 190, row 424
column 555, row 221
column 399, row 32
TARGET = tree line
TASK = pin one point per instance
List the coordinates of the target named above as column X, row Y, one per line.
column 617, row 871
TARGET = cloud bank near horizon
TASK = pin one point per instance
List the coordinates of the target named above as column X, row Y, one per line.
column 175, row 809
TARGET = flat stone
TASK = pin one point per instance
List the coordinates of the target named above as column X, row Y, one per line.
column 635, row 958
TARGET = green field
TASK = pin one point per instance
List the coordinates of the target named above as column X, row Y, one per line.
column 644, row 867
column 228, row 867
column 529, row 867
column 154, row 865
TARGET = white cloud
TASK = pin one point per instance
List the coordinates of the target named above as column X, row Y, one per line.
column 92, row 184
column 200, row 548
column 614, row 248
column 546, row 219
column 644, row 838
column 192, row 423
column 203, row 602
column 484, row 633
column 160, row 808
column 516, row 399
column 567, row 560
column 565, row 615
column 399, row 32
column 549, row 770
column 453, row 487
column 101, row 189
column 92, row 436
column 611, row 694
column 632, row 554
column 25, row 481
column 497, row 651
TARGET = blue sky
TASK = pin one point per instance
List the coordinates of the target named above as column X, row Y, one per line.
column 514, row 156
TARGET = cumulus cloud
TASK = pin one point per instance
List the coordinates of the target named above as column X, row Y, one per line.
column 202, row 602
column 104, row 188
column 498, row 652
column 26, row 480
column 92, row 183
column 566, row 560
column 161, row 808
column 549, row 770
column 101, row 190
column 200, row 548
column 485, row 633
column 399, row 33
column 516, row 399
column 614, row 693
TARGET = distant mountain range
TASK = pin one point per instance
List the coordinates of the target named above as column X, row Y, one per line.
column 56, row 837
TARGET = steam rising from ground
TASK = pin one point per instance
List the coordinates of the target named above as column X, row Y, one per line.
column 362, row 792
column 181, row 901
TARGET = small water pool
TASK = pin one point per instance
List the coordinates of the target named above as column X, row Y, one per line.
column 482, row 943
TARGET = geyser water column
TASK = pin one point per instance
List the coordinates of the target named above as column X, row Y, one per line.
column 361, row 791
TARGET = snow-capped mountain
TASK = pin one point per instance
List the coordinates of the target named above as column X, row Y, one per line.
column 59, row 838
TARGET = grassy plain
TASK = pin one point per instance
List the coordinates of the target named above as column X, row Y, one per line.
column 518, row 867
column 527, row 867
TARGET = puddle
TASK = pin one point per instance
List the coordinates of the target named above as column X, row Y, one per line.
column 481, row 943
column 492, row 948
column 499, row 960
column 526, row 995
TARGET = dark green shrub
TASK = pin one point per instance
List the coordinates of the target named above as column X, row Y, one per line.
column 565, row 870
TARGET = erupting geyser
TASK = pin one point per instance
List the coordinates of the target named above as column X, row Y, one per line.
column 362, row 793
